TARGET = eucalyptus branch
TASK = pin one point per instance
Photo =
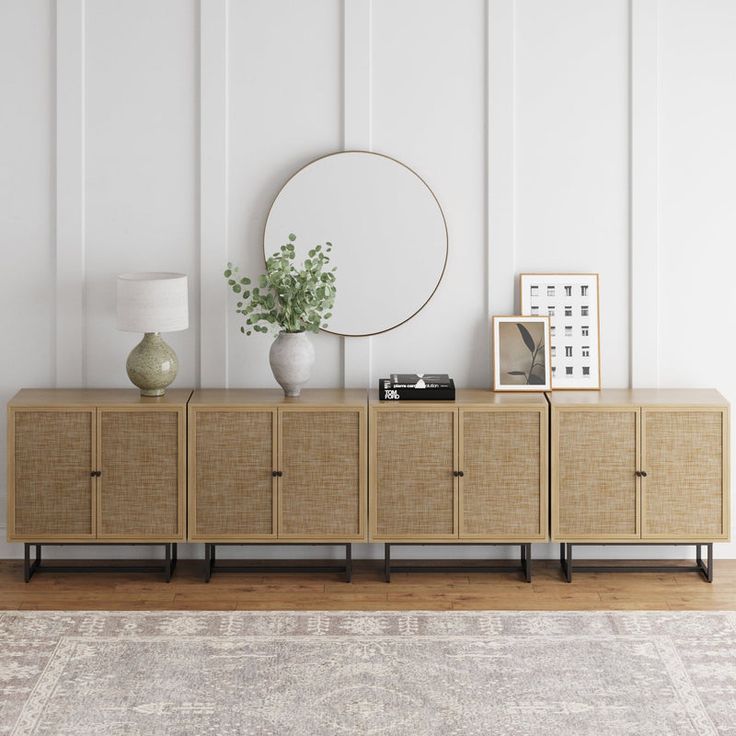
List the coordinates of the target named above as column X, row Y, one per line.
column 287, row 299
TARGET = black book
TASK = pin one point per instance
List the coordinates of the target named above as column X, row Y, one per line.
column 420, row 380
column 387, row 391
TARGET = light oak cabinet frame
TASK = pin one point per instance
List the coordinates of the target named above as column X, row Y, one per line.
column 267, row 400
column 642, row 403
column 195, row 536
column 542, row 533
column 13, row 535
column 95, row 403
column 725, row 533
column 468, row 401
column 417, row 407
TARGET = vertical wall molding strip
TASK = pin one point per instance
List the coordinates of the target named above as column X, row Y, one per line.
column 644, row 194
column 70, row 194
column 213, row 345
column 501, row 153
column 357, row 135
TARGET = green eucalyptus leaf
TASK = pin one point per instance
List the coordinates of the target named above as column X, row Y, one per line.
column 289, row 296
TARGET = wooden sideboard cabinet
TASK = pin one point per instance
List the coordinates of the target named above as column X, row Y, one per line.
column 469, row 471
column 640, row 466
column 100, row 466
column 267, row 468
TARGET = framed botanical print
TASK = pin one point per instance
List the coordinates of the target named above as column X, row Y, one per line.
column 571, row 302
column 521, row 354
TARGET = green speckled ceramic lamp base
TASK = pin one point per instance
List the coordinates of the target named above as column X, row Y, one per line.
column 152, row 365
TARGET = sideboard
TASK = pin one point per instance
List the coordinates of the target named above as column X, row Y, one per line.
column 640, row 467
column 472, row 471
column 265, row 468
column 96, row 466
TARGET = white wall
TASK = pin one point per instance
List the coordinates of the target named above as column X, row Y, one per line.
column 557, row 134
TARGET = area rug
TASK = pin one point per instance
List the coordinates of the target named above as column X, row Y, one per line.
column 413, row 673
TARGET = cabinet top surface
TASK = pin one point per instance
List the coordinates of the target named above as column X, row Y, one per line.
column 65, row 397
column 275, row 397
column 469, row 397
column 639, row 397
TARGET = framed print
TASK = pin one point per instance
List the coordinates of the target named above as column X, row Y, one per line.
column 571, row 302
column 521, row 353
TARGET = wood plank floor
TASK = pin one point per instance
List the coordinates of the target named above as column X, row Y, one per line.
column 368, row 591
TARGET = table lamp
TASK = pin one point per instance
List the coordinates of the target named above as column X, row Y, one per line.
column 152, row 303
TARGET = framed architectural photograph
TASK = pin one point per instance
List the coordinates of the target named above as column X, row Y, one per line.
column 571, row 302
column 521, row 353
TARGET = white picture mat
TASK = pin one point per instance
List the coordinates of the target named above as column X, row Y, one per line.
column 576, row 341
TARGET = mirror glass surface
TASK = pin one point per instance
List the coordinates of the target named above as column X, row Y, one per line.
column 387, row 229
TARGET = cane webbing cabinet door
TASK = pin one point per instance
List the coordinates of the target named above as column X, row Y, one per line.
column 96, row 464
column 51, row 490
column 232, row 488
column 684, row 454
column 503, row 488
column 413, row 486
column 469, row 470
column 595, row 478
column 321, row 489
column 671, row 445
column 141, row 458
column 264, row 467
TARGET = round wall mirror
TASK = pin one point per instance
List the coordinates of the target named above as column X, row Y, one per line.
column 387, row 229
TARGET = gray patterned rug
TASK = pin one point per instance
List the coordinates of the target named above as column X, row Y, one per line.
column 410, row 673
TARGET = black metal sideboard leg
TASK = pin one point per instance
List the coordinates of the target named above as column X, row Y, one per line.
column 705, row 571
column 348, row 563
column 30, row 567
column 174, row 556
column 209, row 561
column 167, row 563
column 526, row 561
column 387, row 562
column 566, row 561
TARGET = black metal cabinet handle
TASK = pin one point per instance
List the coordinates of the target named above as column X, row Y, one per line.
column 456, row 473
column 461, row 473
column 96, row 473
column 643, row 473
column 277, row 473
column 637, row 473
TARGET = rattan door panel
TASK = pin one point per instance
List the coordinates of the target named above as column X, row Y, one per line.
column 321, row 488
column 51, row 487
column 683, row 494
column 597, row 494
column 232, row 488
column 139, row 489
column 414, row 490
column 504, row 466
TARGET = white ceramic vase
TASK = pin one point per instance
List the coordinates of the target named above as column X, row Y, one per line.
column 292, row 358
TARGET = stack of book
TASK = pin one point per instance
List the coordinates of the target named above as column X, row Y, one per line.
column 417, row 386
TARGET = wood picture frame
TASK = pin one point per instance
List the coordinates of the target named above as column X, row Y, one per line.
column 521, row 347
column 572, row 303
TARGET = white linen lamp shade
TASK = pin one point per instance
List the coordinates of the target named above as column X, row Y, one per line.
column 152, row 303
